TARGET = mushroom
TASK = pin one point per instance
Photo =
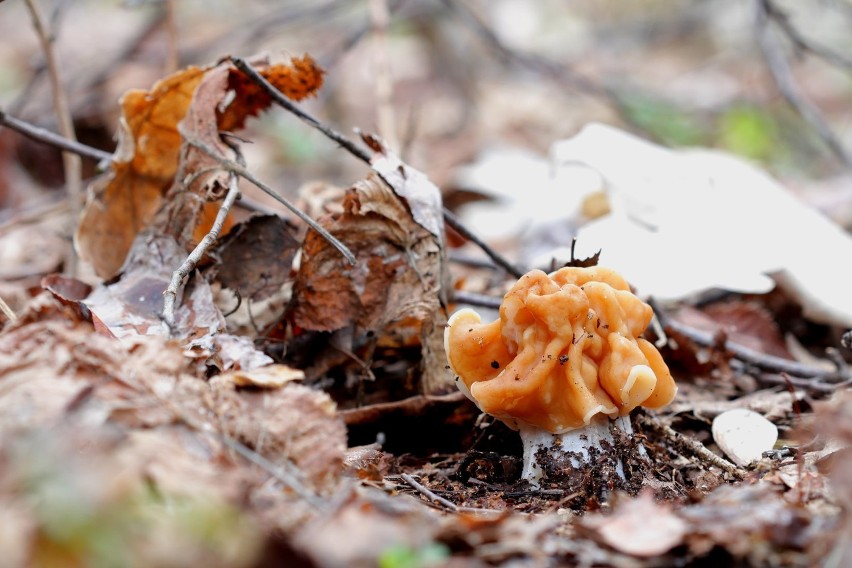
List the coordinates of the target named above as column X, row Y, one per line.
column 564, row 364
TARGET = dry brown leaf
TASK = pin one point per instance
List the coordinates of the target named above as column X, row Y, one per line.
column 745, row 323
column 640, row 527
column 271, row 376
column 290, row 424
column 397, row 275
column 152, row 151
column 257, row 256
column 365, row 525
column 422, row 197
column 131, row 421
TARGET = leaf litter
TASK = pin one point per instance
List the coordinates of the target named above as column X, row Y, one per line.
column 334, row 435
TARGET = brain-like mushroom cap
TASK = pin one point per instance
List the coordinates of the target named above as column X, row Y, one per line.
column 566, row 347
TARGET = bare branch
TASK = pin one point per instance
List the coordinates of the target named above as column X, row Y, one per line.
column 457, row 225
column 429, row 494
column 359, row 153
column 241, row 171
column 71, row 163
column 47, row 137
column 281, row 100
column 802, row 43
column 779, row 67
column 750, row 356
column 693, row 446
column 170, row 294
column 7, row 311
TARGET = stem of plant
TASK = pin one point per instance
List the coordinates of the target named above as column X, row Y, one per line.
column 580, row 445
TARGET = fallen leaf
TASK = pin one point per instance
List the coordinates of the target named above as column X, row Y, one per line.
column 293, row 424
column 366, row 524
column 271, row 376
column 640, row 527
column 152, row 150
column 397, row 273
column 421, row 195
column 256, row 257
column 744, row 323
column 133, row 306
column 143, row 167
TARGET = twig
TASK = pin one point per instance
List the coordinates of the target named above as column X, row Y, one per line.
column 474, row 299
column 289, row 479
column 809, row 384
column 7, row 311
column 694, row 446
column 47, row 137
column 238, row 169
column 498, row 259
column 379, row 16
column 783, row 75
column 803, row 44
column 750, row 356
column 170, row 295
column 470, row 19
column 70, row 161
column 279, row 98
column 466, row 260
column 429, row 494
column 278, row 473
column 559, row 72
column 172, row 60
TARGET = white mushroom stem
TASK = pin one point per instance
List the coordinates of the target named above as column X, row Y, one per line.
column 574, row 443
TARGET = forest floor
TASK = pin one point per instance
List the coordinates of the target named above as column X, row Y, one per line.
column 222, row 334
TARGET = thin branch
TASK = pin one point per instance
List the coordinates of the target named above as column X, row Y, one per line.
column 239, row 170
column 7, row 311
column 383, row 78
column 780, row 69
column 288, row 478
column 474, row 299
column 555, row 70
column 750, row 356
column 47, row 137
column 170, row 295
column 498, row 259
column 279, row 98
column 278, row 473
column 694, row 446
column 71, row 163
column 429, row 494
column 802, row 43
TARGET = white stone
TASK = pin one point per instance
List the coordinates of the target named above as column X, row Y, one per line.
column 744, row 435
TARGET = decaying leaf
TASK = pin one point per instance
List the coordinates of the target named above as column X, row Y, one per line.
column 294, row 423
column 397, row 274
column 123, row 431
column 270, row 376
column 133, row 306
column 421, row 196
column 364, row 526
column 256, row 257
column 640, row 527
column 152, row 151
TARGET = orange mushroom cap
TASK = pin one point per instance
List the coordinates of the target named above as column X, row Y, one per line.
column 566, row 348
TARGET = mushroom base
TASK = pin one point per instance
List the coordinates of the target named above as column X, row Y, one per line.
column 590, row 460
